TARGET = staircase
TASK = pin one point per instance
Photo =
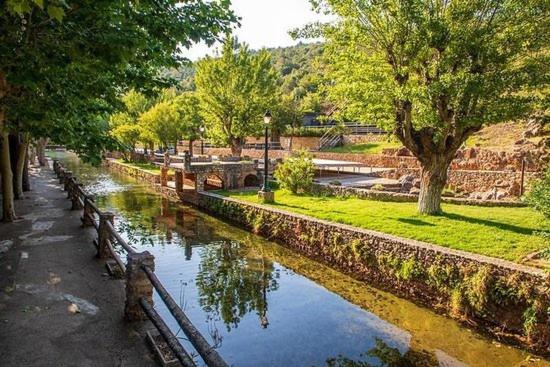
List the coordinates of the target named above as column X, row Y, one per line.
column 331, row 138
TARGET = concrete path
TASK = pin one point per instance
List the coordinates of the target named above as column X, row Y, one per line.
column 58, row 307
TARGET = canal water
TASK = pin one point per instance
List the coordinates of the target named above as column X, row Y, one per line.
column 261, row 304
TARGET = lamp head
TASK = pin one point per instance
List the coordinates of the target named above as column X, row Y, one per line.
column 267, row 118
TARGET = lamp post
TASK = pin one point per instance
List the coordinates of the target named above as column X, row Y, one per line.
column 201, row 129
column 265, row 194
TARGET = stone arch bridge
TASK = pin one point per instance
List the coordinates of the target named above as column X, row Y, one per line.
column 203, row 173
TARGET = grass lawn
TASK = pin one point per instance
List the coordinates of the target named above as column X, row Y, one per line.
column 149, row 167
column 505, row 233
column 366, row 148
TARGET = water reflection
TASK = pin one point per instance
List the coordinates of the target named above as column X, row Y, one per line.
column 234, row 280
column 261, row 304
column 387, row 356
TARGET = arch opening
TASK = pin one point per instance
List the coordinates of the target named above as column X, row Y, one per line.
column 213, row 182
column 251, row 181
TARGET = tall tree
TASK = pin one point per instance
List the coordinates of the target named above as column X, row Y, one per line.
column 437, row 71
column 235, row 89
column 124, row 125
column 63, row 64
column 190, row 119
column 162, row 121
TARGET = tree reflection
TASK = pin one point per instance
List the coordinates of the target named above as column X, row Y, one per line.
column 388, row 357
column 234, row 280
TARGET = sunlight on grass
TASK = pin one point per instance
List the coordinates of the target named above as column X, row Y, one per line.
column 506, row 233
column 366, row 148
column 149, row 167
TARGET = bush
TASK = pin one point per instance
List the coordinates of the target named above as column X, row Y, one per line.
column 377, row 187
column 296, row 173
column 539, row 195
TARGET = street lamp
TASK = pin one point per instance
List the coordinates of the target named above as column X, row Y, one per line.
column 265, row 194
column 201, row 129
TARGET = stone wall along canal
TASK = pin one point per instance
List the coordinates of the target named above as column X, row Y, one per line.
column 264, row 305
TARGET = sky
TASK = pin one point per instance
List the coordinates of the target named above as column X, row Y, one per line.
column 265, row 23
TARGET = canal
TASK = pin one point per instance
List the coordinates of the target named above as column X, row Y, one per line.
column 261, row 304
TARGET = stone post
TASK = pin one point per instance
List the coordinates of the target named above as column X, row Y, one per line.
column 179, row 181
column 163, row 176
column 87, row 217
column 67, row 183
column 76, row 205
column 187, row 161
column 138, row 285
column 199, row 182
column 104, row 235
column 61, row 175
column 55, row 165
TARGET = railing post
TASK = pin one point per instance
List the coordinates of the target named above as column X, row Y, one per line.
column 163, row 176
column 138, row 285
column 55, row 165
column 104, row 235
column 61, row 175
column 67, row 180
column 179, row 181
column 75, row 195
column 88, row 215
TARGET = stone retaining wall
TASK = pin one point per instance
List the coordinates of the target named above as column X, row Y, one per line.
column 133, row 171
column 343, row 191
column 507, row 300
column 478, row 182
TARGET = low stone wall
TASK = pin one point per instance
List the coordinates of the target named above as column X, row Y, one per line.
column 133, row 171
column 343, row 191
column 507, row 183
column 505, row 299
column 366, row 138
column 371, row 160
column 252, row 153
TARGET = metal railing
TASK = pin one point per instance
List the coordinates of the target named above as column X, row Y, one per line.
column 139, row 275
column 331, row 138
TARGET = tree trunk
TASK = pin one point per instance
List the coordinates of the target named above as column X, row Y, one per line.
column 21, row 157
column 26, row 181
column 8, row 208
column 236, row 147
column 176, row 147
column 432, row 181
column 41, row 151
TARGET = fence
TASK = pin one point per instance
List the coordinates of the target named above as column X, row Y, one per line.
column 139, row 275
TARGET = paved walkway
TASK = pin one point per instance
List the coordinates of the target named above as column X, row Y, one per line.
column 58, row 307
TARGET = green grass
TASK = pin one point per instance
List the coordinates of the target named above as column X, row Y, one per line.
column 366, row 148
column 505, row 233
column 149, row 167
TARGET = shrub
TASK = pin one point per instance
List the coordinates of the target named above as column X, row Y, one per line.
column 296, row 173
column 539, row 195
column 377, row 187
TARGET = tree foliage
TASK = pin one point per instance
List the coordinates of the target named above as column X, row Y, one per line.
column 125, row 125
column 234, row 90
column 539, row 194
column 190, row 119
column 64, row 63
column 435, row 71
